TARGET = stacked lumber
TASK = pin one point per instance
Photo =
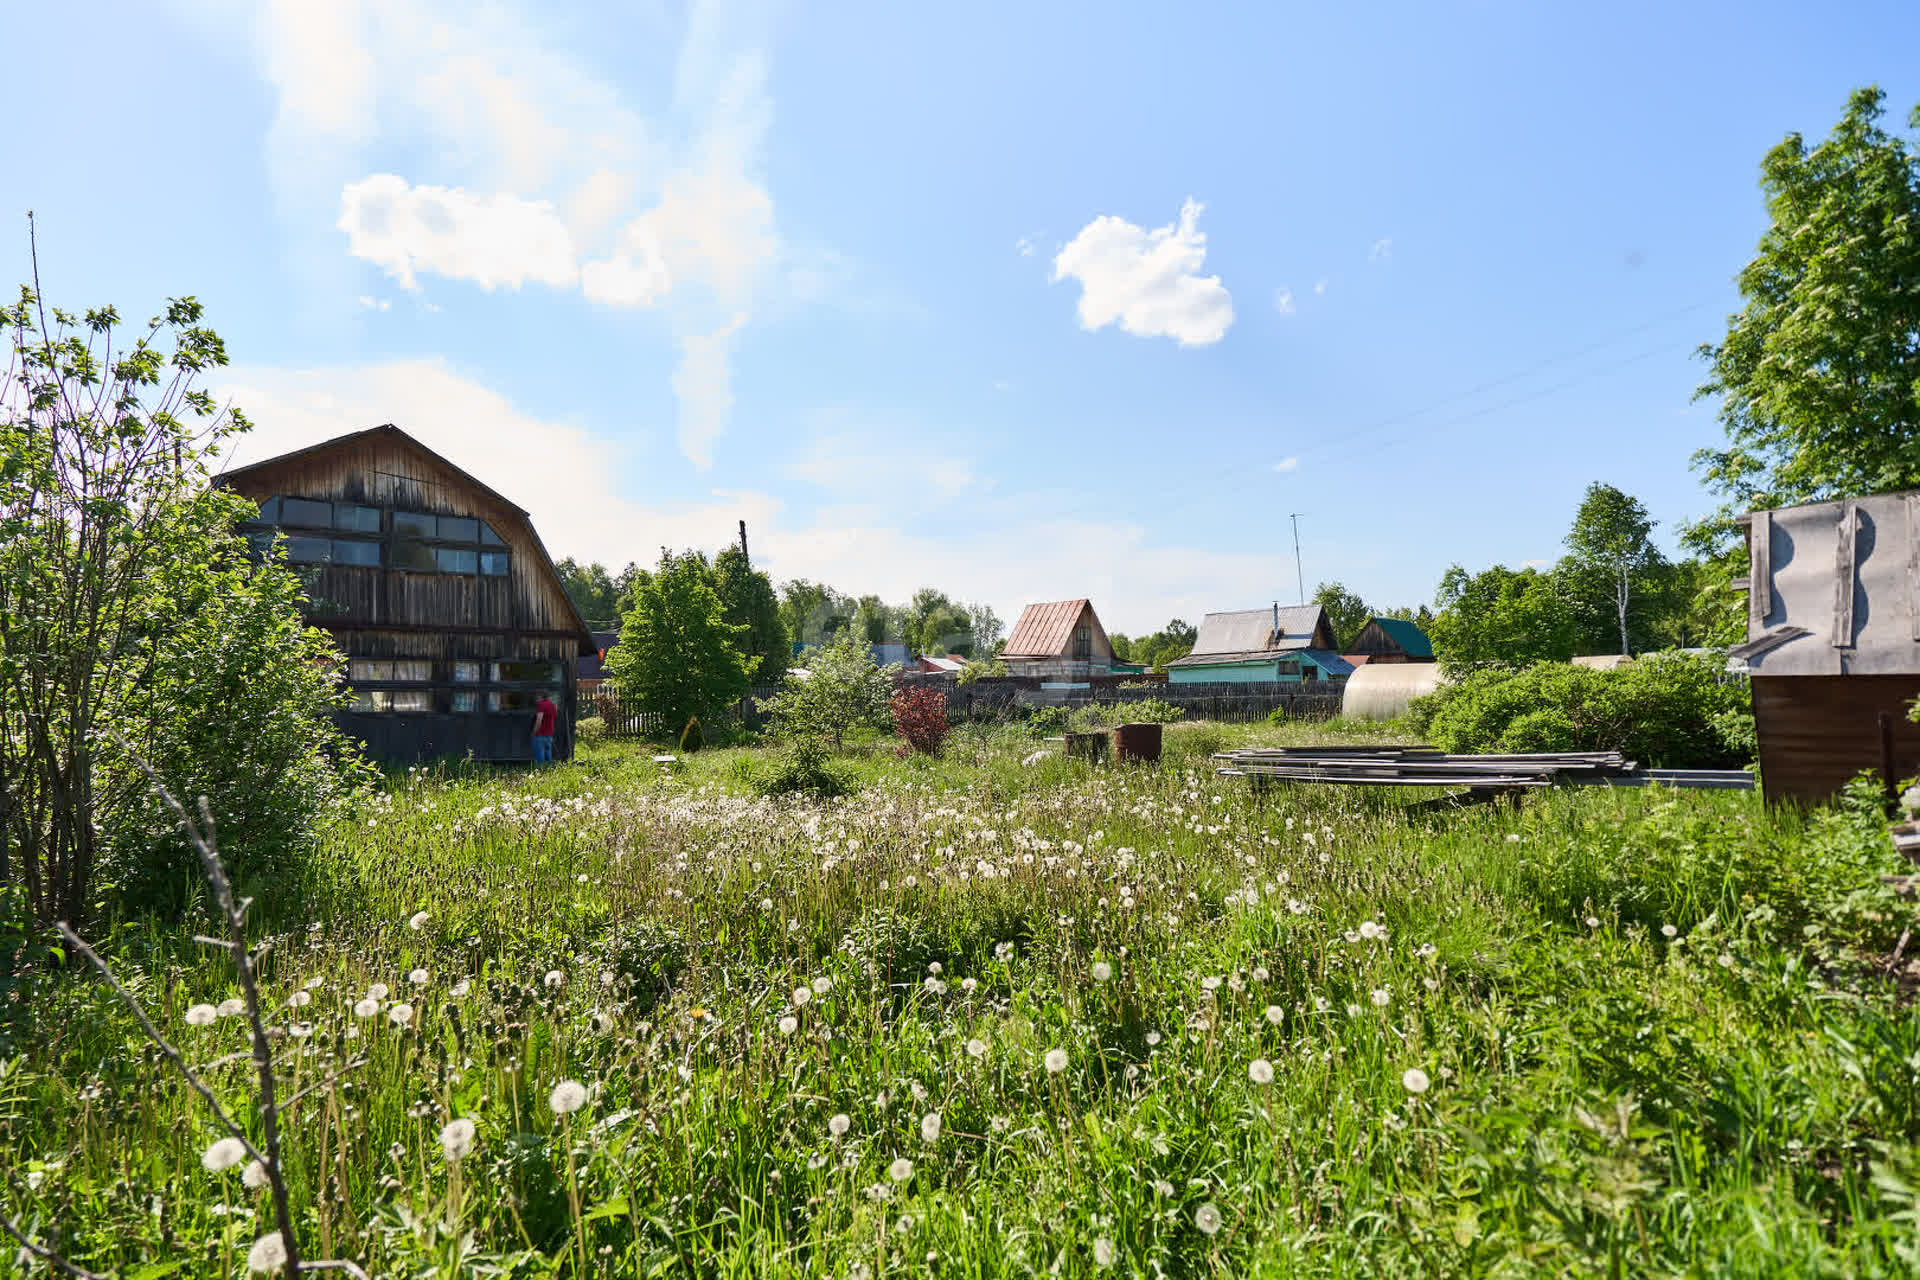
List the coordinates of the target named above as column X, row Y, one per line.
column 1406, row 766
column 1906, row 842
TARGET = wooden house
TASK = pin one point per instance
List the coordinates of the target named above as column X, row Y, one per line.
column 1389, row 640
column 1262, row 646
column 1833, row 641
column 1061, row 640
column 435, row 587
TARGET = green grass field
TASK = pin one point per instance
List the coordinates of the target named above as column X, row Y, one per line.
column 999, row 1015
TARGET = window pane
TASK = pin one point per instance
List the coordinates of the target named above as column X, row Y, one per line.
column 362, row 701
column 260, row 545
column 309, row 550
column 270, row 511
column 369, row 669
column 413, row 669
column 412, row 700
column 317, row 515
column 411, row 553
column 356, row 519
column 511, row 672
column 493, row 564
column 466, row 672
column 420, row 526
column 345, row 552
column 459, row 529
column 489, row 537
column 453, row 560
column 466, row 700
column 518, row 699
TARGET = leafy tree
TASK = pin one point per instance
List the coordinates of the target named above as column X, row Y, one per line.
column 131, row 613
column 1819, row 373
column 814, row 613
column 593, row 592
column 747, row 599
column 1347, row 613
column 1500, row 615
column 678, row 656
column 1421, row 617
column 1173, row 641
column 1122, row 645
column 1612, row 559
column 844, row 689
column 880, row 622
column 988, row 632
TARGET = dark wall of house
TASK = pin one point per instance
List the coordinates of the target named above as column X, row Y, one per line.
column 1818, row 732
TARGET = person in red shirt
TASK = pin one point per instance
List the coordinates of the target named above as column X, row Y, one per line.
column 545, row 717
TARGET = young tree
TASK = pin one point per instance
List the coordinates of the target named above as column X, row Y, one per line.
column 748, row 600
column 988, row 632
column 844, row 689
column 1499, row 615
column 1611, row 547
column 678, row 656
column 813, row 613
column 132, row 619
column 1347, row 613
column 1819, row 373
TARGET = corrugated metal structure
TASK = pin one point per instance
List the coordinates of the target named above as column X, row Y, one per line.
column 436, row 588
column 1059, row 640
column 1262, row 646
column 1384, row 690
column 1390, row 640
column 1833, row 641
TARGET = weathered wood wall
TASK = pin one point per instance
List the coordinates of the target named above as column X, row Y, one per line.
column 1818, row 732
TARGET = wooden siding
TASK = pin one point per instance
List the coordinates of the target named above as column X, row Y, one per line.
column 1818, row 732
column 388, row 469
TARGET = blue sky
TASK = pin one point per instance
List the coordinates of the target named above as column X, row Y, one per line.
column 1024, row 302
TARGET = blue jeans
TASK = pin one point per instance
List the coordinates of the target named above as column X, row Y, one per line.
column 543, row 749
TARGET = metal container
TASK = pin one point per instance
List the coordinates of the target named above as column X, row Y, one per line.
column 1091, row 747
column 1136, row 743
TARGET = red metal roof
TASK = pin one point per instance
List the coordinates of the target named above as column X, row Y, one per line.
column 1044, row 630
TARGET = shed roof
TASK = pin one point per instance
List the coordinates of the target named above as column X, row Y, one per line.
column 1252, row 631
column 1044, row 630
column 1408, row 635
column 1834, row 588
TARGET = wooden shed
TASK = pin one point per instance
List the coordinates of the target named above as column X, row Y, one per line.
column 1262, row 646
column 1388, row 640
column 1833, row 641
column 1060, row 640
column 435, row 587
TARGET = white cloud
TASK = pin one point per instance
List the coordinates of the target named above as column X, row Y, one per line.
column 1006, row 551
column 1283, row 301
column 375, row 304
column 1147, row 281
column 1024, row 246
column 1286, row 465
column 525, row 164
column 1382, row 250
column 704, row 386
column 1320, row 287
column 489, row 240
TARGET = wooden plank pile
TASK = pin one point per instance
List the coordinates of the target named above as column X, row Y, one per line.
column 1906, row 842
column 1483, row 775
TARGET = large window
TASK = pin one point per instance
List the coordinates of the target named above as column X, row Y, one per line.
column 413, row 540
column 461, row 686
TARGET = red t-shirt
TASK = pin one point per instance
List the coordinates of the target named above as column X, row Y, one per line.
column 544, row 714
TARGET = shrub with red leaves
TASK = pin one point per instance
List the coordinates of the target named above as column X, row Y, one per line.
column 920, row 717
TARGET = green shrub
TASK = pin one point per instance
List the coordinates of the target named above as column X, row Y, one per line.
column 1195, row 740
column 590, row 729
column 1667, row 710
column 803, row 769
column 1046, row 722
column 1147, row 711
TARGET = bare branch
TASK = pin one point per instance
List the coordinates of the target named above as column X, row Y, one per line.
column 336, row 1264
column 48, row 1256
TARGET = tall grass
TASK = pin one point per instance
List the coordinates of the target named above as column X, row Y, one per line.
column 1650, row 1027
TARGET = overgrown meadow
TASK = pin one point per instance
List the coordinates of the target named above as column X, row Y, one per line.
column 1003, row 1014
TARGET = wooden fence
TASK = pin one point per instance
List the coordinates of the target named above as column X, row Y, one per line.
column 997, row 701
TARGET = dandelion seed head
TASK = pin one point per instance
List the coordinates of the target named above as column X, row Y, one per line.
column 1415, row 1081
column 254, row 1176
column 789, row 1025
column 1381, row 997
column 930, row 1127
column 1260, row 1071
column 839, row 1125
column 1207, row 1218
column 1101, row 971
column 223, row 1154
column 1056, row 1061
column 456, row 1139
column 976, row 1048
column 366, row 1008
column 201, row 1015
column 822, row 985
column 400, row 1015
column 900, row 1170
column 378, row 991
column 268, row 1255
column 801, row 995
column 231, row 1008
column 1275, row 1014
column 567, row 1097
column 554, row 980
column 1668, row 931
column 418, row 921
column 418, row 977
column 1103, row 1252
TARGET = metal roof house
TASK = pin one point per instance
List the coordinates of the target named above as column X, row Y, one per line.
column 1059, row 640
column 1259, row 646
column 1833, row 641
column 438, row 590
column 1389, row 640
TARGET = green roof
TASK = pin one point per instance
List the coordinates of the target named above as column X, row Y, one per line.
column 1407, row 635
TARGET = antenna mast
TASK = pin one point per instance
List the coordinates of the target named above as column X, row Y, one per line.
column 1298, row 569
